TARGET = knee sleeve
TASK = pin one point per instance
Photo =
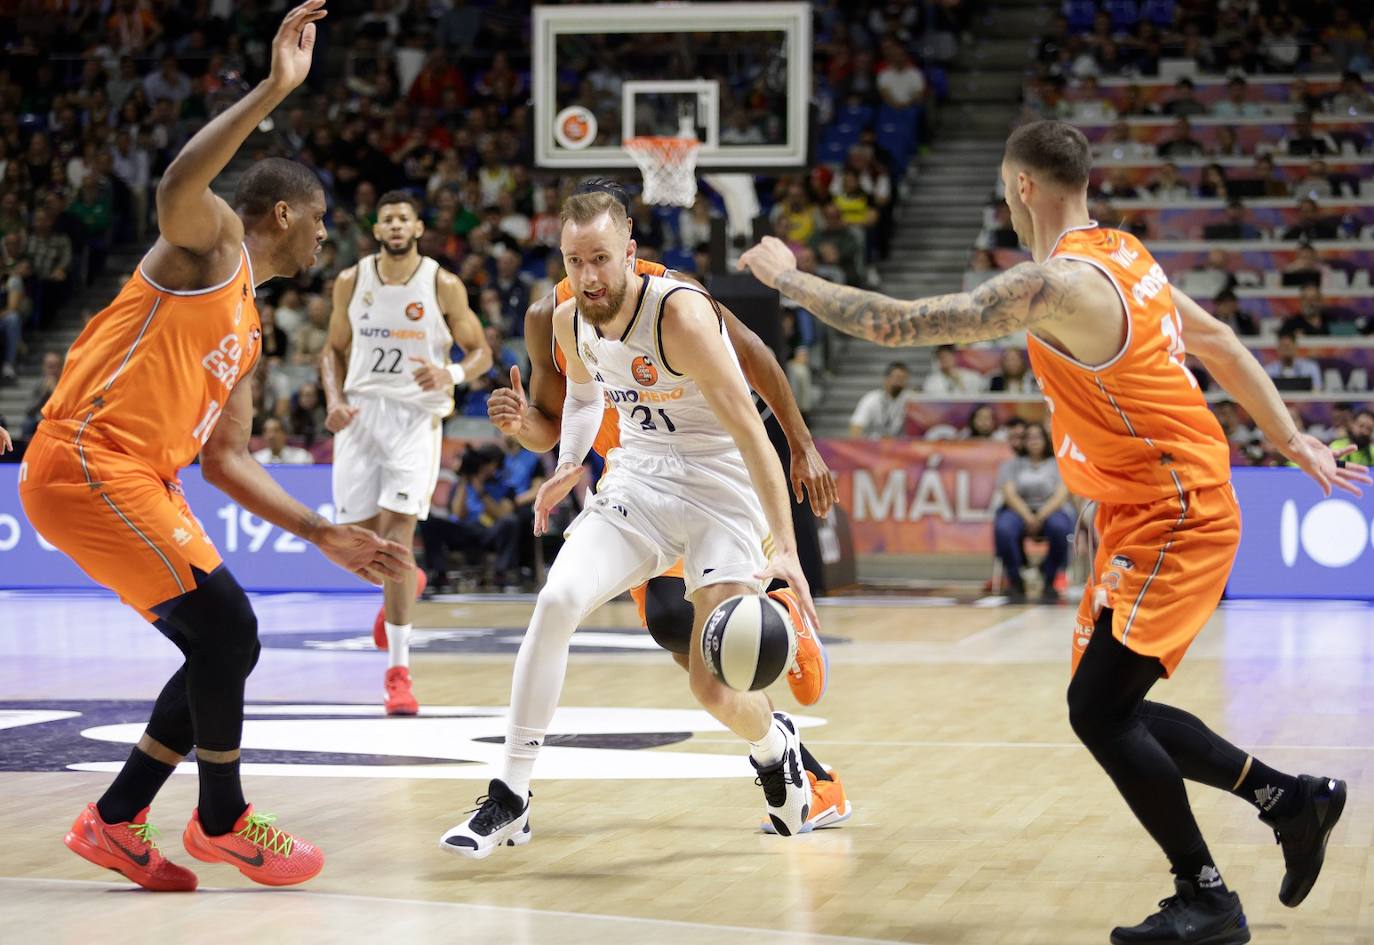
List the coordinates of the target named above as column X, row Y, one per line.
column 668, row 613
column 217, row 622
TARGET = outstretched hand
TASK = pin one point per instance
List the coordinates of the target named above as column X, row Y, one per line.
column 364, row 553
column 293, row 47
column 810, row 474
column 785, row 566
column 768, row 260
column 1326, row 465
column 554, row 490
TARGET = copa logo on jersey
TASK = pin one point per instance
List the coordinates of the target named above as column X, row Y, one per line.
column 1295, row 542
column 645, row 374
column 415, row 311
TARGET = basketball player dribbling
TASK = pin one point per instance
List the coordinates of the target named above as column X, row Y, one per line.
column 695, row 478
column 1133, row 432
column 157, row 377
column 663, row 607
column 388, row 386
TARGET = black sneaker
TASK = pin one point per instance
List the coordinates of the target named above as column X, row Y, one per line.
column 1303, row 835
column 786, row 788
column 1191, row 917
column 499, row 820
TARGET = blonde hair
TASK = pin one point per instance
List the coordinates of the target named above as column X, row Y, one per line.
column 584, row 208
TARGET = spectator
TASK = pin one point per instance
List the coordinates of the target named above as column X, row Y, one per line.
column 849, row 248
column 882, row 412
column 468, row 523
column 1185, row 102
column 1119, row 185
column 274, row 342
column 50, row 253
column 1305, row 141
column 902, row 84
column 1182, row 144
column 94, row 207
column 1226, row 144
column 794, row 217
column 1090, row 107
column 515, row 486
column 314, row 335
column 1034, row 502
column 1227, row 310
column 1168, row 185
column 1121, row 145
column 853, row 201
column 1352, row 99
column 307, row 413
column 1361, row 432
column 949, row 378
column 12, row 317
column 169, row 82
column 276, row 451
column 1237, row 102
column 1209, row 278
column 1315, row 183
column 42, row 389
column 802, row 381
column 1237, row 434
column 1134, row 105
column 513, row 287
column 1000, row 234
column 1287, row 364
column 1310, row 224
column 1014, row 377
column 1307, row 268
column 1235, row 227
column 1270, row 184
column 981, row 268
column 1312, row 317
column 982, row 424
column 133, row 167
column 1214, row 185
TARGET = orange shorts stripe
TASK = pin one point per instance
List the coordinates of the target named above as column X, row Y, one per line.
column 1164, row 565
column 112, row 515
column 640, row 593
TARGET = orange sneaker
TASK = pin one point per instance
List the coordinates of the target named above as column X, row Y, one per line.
column 379, row 622
column 810, row 672
column 399, row 699
column 128, row 848
column 263, row 853
column 829, row 806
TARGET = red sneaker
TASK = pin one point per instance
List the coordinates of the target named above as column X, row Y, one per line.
column 379, row 624
column 809, row 673
column 128, row 848
column 399, row 699
column 263, row 853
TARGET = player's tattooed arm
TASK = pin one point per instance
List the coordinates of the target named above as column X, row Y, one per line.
column 1015, row 300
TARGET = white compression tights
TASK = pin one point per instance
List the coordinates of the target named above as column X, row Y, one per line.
column 598, row 562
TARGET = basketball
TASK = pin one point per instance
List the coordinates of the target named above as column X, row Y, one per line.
column 749, row 641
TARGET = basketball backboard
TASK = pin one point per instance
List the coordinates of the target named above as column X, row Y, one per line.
column 736, row 76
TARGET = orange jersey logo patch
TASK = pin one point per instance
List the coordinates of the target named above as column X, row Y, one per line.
column 415, row 311
column 644, row 372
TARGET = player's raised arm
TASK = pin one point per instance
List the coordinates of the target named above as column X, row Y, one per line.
column 1022, row 296
column 334, row 357
column 533, row 421
column 189, row 215
column 466, row 331
column 228, row 466
column 693, row 344
column 1235, row 368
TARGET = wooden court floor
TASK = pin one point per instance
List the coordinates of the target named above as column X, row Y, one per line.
column 978, row 819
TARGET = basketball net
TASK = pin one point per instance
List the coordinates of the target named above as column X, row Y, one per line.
column 669, row 168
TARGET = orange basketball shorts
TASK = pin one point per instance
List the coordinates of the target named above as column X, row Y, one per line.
column 111, row 514
column 641, row 592
column 1163, row 566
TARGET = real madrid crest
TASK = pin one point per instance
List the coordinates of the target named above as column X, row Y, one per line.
column 367, row 297
column 587, row 356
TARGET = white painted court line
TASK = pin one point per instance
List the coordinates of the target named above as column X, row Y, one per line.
column 762, row 934
column 997, row 746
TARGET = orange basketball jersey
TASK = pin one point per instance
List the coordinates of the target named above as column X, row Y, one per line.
column 152, row 372
column 608, row 437
column 1135, row 429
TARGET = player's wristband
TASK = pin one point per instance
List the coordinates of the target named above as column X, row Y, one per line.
column 457, row 372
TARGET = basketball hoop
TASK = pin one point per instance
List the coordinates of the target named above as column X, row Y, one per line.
column 668, row 166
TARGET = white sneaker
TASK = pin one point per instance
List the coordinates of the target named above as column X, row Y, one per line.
column 786, row 788
column 500, row 820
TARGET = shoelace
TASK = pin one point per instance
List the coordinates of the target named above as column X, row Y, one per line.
column 489, row 814
column 145, row 834
column 259, row 831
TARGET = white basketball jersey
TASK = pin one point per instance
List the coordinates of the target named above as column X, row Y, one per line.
column 392, row 324
column 660, row 409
